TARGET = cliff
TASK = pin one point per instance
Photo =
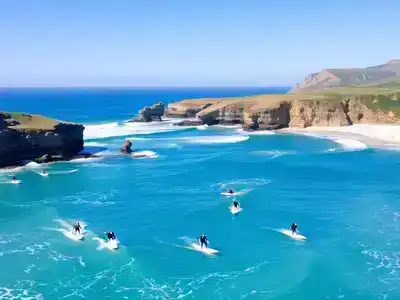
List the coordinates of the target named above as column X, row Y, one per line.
column 188, row 108
column 339, row 107
column 335, row 78
column 33, row 137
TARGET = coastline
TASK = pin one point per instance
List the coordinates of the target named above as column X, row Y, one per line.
column 373, row 135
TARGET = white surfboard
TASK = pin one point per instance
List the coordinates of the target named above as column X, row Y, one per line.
column 229, row 194
column 295, row 236
column 235, row 210
column 73, row 236
column 112, row 244
column 143, row 154
column 15, row 181
column 206, row 250
column 43, row 174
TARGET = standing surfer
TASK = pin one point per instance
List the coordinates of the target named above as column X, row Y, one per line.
column 203, row 241
column 236, row 204
column 77, row 228
column 294, row 228
column 111, row 235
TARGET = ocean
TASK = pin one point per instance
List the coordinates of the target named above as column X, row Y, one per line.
column 344, row 196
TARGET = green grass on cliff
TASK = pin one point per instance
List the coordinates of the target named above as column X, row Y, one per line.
column 28, row 121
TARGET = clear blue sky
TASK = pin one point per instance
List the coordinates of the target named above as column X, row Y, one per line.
column 189, row 42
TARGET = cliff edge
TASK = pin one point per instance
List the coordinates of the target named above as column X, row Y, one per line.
column 27, row 137
column 339, row 107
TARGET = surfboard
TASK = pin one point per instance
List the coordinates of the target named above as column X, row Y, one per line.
column 144, row 153
column 15, row 181
column 229, row 194
column 234, row 210
column 43, row 174
column 295, row 236
column 73, row 236
column 112, row 244
column 206, row 250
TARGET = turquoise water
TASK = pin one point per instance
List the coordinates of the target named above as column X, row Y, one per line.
column 346, row 201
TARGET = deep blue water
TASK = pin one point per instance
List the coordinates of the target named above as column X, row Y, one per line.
column 346, row 202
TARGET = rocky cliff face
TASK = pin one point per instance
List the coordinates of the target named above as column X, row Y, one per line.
column 152, row 113
column 268, row 112
column 31, row 137
column 188, row 108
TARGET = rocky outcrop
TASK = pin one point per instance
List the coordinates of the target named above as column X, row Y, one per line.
column 195, row 122
column 188, row 108
column 126, row 147
column 150, row 113
column 32, row 137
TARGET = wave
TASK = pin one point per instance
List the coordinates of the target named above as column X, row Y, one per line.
column 273, row 153
column 33, row 164
column 261, row 132
column 215, row 139
column 63, row 172
column 95, row 144
column 144, row 154
column 86, row 160
column 128, row 128
column 350, row 144
column 246, row 182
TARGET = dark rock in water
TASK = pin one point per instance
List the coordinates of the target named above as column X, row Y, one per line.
column 126, row 147
column 149, row 114
column 189, row 123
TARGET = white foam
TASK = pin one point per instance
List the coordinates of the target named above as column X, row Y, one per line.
column 260, row 132
column 33, row 164
column 351, row 144
column 128, row 128
column 144, row 154
column 273, row 153
column 86, row 160
column 13, row 170
column 215, row 139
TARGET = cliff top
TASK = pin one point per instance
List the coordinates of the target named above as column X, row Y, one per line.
column 24, row 121
column 383, row 98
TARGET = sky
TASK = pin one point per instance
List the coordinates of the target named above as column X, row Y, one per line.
column 190, row 43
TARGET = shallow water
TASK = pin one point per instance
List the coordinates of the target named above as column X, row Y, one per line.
column 345, row 198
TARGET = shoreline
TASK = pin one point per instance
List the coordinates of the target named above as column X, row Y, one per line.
column 373, row 135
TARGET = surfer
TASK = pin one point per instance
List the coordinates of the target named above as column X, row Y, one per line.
column 294, row 228
column 111, row 235
column 230, row 191
column 77, row 228
column 14, row 178
column 44, row 172
column 203, row 241
column 235, row 204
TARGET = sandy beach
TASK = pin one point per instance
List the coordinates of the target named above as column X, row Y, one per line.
column 379, row 136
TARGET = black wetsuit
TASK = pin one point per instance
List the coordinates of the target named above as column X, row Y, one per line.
column 14, row 178
column 235, row 204
column 230, row 192
column 111, row 235
column 294, row 228
column 77, row 228
column 203, row 241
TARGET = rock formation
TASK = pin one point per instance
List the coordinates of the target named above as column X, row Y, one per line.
column 26, row 137
column 150, row 113
column 188, row 108
column 126, row 147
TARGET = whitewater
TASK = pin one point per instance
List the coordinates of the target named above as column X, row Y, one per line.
column 343, row 192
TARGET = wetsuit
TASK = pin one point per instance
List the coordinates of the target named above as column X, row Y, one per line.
column 203, row 241
column 230, row 192
column 111, row 235
column 236, row 204
column 77, row 228
column 294, row 228
column 14, row 178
